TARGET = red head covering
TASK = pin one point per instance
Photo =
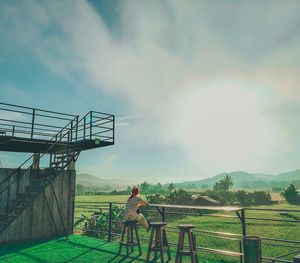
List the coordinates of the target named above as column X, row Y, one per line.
column 135, row 191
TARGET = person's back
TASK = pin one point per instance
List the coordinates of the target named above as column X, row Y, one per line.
column 132, row 205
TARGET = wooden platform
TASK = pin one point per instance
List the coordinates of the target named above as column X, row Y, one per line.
column 18, row 144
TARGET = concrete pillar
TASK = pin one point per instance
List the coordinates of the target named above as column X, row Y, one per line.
column 297, row 259
column 36, row 161
column 252, row 249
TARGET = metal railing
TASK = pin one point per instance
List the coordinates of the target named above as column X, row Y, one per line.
column 33, row 123
column 232, row 238
column 27, row 122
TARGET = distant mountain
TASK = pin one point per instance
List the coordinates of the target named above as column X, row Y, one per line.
column 93, row 181
column 242, row 179
column 289, row 176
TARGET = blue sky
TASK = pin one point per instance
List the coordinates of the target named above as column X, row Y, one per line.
column 198, row 87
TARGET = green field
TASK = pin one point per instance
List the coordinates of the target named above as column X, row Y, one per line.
column 280, row 230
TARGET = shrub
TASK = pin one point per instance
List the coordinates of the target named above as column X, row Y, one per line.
column 291, row 195
column 260, row 198
column 242, row 197
column 99, row 222
column 179, row 197
column 155, row 199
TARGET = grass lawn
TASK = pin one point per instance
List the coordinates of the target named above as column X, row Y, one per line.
column 75, row 249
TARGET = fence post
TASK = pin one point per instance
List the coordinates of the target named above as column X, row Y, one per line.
column 297, row 259
column 252, row 249
column 109, row 223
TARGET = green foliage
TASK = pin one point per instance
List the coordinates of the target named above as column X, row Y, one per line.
column 179, row 197
column 171, row 187
column 99, row 221
column 115, row 192
column 291, row 195
column 224, row 184
column 243, row 197
column 156, row 199
column 260, row 198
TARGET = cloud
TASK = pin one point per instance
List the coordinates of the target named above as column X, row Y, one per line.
column 169, row 54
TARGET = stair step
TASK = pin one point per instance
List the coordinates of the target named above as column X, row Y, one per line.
column 6, row 218
column 34, row 189
column 61, row 157
column 13, row 209
column 26, row 196
column 60, row 162
column 20, row 201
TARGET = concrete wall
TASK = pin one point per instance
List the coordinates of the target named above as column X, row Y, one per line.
column 35, row 222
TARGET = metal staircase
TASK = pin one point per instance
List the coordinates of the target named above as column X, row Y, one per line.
column 59, row 149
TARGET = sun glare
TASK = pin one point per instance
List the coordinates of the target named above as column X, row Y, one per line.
column 223, row 125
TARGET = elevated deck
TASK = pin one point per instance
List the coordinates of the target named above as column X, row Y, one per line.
column 31, row 130
column 19, row 144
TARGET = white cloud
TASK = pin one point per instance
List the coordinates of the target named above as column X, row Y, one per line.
column 168, row 55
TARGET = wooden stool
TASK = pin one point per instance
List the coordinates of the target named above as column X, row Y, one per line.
column 161, row 242
column 185, row 228
column 130, row 225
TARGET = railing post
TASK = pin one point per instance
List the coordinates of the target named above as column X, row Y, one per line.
column 163, row 215
column 297, row 259
column 76, row 136
column 84, row 123
column 252, row 249
column 109, row 226
column 113, row 129
column 71, row 130
column 243, row 222
column 241, row 251
column 91, row 125
column 32, row 123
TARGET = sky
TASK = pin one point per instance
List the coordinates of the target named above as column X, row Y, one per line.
column 197, row 87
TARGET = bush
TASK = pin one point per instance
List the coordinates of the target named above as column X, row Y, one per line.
column 242, row 197
column 156, row 199
column 99, row 221
column 291, row 195
column 260, row 198
column 179, row 197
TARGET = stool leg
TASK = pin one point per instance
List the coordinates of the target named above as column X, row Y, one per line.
column 122, row 239
column 138, row 240
column 166, row 243
column 182, row 247
column 191, row 246
column 161, row 246
column 194, row 247
column 179, row 246
column 156, row 242
column 150, row 244
column 127, row 245
column 131, row 237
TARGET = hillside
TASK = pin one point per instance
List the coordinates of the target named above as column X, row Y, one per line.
column 93, row 181
column 244, row 180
